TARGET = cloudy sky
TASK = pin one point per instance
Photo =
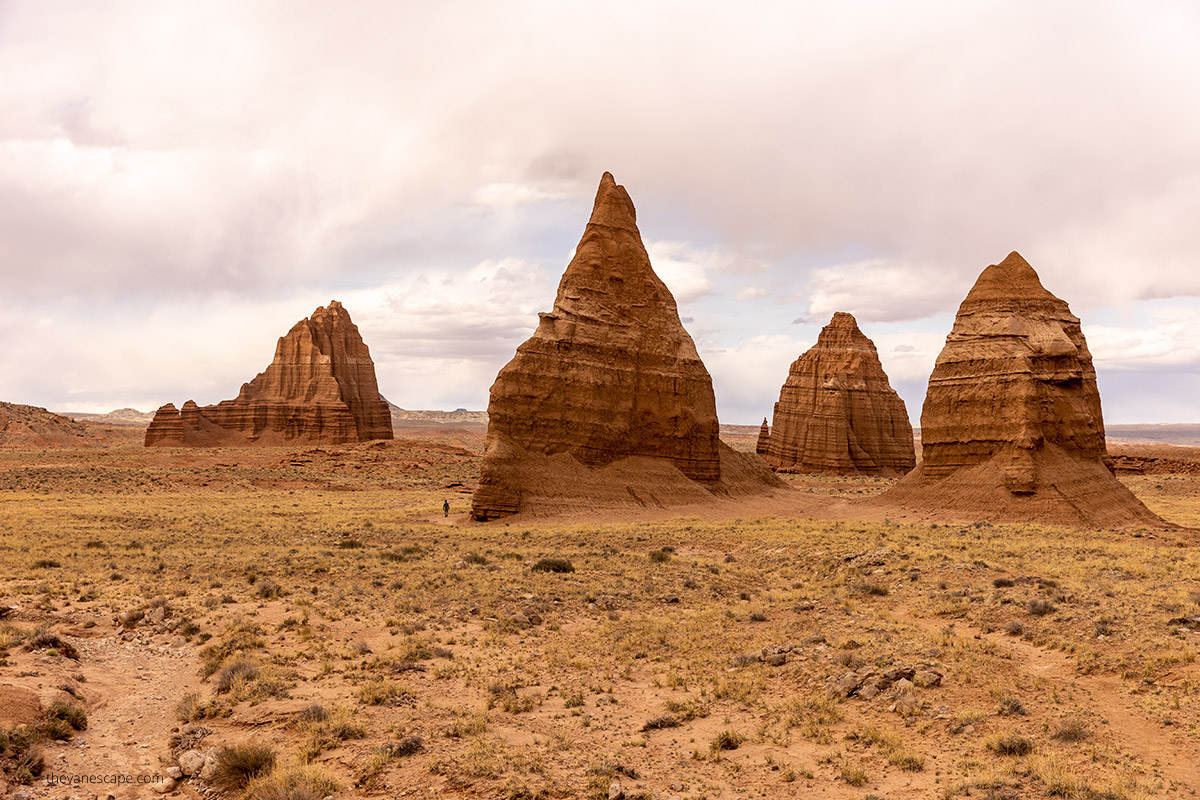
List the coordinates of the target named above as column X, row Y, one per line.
column 180, row 182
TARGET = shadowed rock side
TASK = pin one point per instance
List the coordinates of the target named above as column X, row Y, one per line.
column 837, row 414
column 319, row 389
column 610, row 378
column 764, row 439
column 1011, row 428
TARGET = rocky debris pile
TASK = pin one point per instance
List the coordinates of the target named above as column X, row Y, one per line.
column 837, row 414
column 1011, row 429
column 319, row 389
column 608, row 403
column 191, row 762
column 867, row 683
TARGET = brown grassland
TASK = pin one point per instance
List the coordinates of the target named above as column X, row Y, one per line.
column 309, row 619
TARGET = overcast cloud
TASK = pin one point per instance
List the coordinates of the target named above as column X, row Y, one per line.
column 180, row 182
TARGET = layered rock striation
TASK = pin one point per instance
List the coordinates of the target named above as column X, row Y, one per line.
column 319, row 389
column 837, row 414
column 1012, row 429
column 610, row 378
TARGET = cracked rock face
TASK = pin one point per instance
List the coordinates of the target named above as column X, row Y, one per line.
column 609, row 376
column 319, row 389
column 1011, row 428
column 837, row 414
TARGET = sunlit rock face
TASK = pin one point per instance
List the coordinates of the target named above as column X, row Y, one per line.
column 1012, row 427
column 837, row 414
column 609, row 375
column 319, row 389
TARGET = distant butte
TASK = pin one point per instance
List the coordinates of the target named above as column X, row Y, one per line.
column 608, row 403
column 1012, row 430
column 319, row 389
column 837, row 414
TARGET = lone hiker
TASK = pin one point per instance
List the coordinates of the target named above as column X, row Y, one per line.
column 445, row 508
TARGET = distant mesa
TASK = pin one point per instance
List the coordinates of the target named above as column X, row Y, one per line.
column 608, row 404
column 432, row 418
column 1011, row 430
column 319, row 389
column 837, row 414
column 126, row 417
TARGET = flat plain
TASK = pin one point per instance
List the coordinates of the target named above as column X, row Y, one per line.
column 308, row 623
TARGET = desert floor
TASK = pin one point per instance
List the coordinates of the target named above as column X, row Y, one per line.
column 305, row 622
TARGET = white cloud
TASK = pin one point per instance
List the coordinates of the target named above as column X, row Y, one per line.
column 750, row 293
column 1168, row 340
column 224, row 154
column 747, row 377
column 879, row 290
column 683, row 269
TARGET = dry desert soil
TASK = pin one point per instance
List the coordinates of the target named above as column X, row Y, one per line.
column 305, row 622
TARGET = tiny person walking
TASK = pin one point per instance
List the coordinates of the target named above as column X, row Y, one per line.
column 445, row 508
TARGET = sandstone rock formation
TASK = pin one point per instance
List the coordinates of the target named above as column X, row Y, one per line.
column 764, row 439
column 319, row 389
column 1012, row 429
column 30, row 426
column 608, row 401
column 837, row 414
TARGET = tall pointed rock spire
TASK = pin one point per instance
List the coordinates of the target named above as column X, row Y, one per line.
column 610, row 374
column 319, row 389
column 837, row 413
column 1012, row 428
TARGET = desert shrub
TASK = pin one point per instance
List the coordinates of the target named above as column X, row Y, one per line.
column 350, row 544
column 239, row 669
column 553, row 565
column 299, row 783
column 758, row 616
column 475, row 558
column 313, row 712
column 238, row 765
column 1014, row 627
column 893, row 748
column 468, row 725
column 94, row 544
column 22, row 749
column 68, row 712
column 240, row 637
column 876, row 589
column 1072, row 730
column 726, row 740
column 382, row 756
column 1040, row 607
column 853, row 774
column 326, row 731
column 1001, row 583
column 188, row 707
column 376, row 693
column 658, row 723
column 267, row 589
column 405, row 746
column 660, row 556
column 1011, row 707
column 43, row 639
column 1010, row 745
column 45, row 563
